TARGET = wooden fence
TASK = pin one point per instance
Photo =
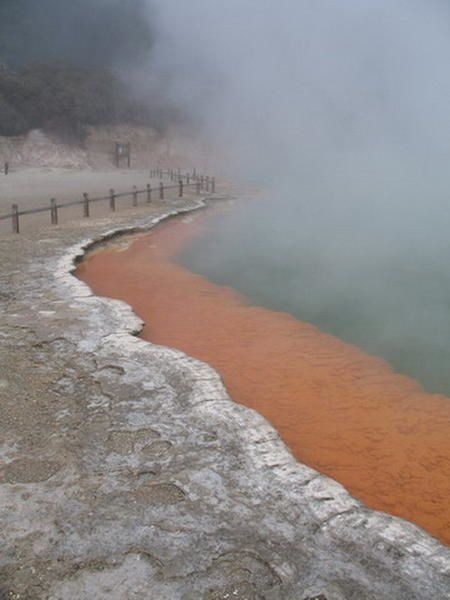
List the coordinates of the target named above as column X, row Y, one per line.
column 181, row 182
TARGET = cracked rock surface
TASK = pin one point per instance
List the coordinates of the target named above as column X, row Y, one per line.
column 126, row 471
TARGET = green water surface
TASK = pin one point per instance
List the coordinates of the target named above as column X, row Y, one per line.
column 378, row 282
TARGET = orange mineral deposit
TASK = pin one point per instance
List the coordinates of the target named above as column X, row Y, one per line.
column 341, row 411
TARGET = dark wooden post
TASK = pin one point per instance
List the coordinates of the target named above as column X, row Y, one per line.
column 188, row 179
column 207, row 183
column 112, row 200
column 180, row 190
column 6, row 168
column 135, row 196
column 179, row 173
column 161, row 191
column 53, row 212
column 202, row 182
column 197, row 187
column 129, row 154
column 149, row 193
column 86, row 204
column 15, row 218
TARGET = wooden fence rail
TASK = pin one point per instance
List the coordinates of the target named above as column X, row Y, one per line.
column 183, row 181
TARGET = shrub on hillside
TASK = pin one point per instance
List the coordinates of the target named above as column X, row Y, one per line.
column 63, row 98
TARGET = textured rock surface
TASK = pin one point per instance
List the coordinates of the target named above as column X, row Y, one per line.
column 127, row 472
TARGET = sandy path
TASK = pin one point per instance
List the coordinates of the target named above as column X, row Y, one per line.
column 32, row 188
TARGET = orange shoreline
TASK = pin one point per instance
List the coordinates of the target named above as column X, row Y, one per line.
column 341, row 411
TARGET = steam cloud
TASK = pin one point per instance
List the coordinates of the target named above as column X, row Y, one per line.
column 341, row 111
column 84, row 32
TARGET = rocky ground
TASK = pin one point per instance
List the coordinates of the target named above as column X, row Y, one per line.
column 127, row 471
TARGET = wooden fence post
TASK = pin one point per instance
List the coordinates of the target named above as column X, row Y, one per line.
column 53, row 212
column 207, row 183
column 180, row 190
column 86, row 204
column 197, row 187
column 135, row 196
column 202, row 182
column 15, row 218
column 188, row 179
column 161, row 191
column 149, row 193
column 112, row 200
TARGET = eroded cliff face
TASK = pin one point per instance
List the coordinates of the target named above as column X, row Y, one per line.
column 37, row 149
column 129, row 472
column 97, row 150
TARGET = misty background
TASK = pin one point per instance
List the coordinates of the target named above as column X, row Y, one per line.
column 340, row 112
column 66, row 65
column 83, row 32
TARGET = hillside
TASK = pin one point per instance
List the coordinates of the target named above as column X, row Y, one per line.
column 67, row 66
column 65, row 99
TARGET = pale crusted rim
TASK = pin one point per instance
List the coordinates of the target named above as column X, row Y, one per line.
column 260, row 441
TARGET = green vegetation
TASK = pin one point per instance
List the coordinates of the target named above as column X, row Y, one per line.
column 61, row 65
column 64, row 98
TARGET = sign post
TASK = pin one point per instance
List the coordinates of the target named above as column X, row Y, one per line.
column 123, row 152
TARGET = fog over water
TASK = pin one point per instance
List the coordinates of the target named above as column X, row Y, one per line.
column 340, row 111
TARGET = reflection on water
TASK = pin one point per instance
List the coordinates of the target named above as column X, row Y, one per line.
column 340, row 411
